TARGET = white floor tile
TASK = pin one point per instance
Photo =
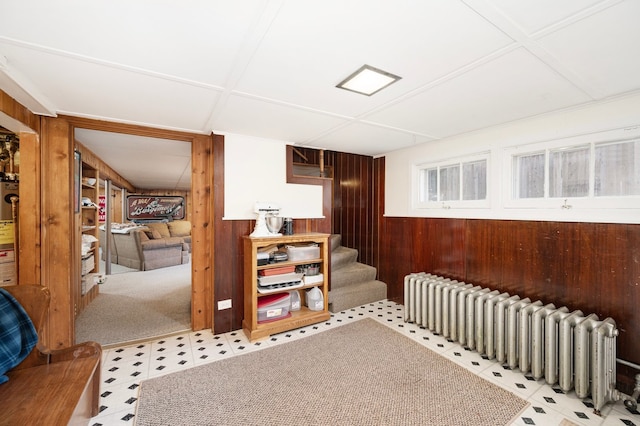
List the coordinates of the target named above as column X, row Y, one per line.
column 123, row 368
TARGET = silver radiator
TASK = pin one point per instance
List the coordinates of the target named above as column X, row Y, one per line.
column 573, row 350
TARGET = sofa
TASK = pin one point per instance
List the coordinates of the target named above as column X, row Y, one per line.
column 151, row 246
column 176, row 228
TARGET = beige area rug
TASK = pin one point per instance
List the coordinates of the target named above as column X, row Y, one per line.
column 138, row 305
column 362, row 373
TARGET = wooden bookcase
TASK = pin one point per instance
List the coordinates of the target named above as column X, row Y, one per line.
column 90, row 262
column 304, row 316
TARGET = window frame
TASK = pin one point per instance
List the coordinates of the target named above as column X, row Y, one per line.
column 459, row 161
column 590, row 201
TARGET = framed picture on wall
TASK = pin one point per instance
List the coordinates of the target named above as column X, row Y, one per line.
column 77, row 176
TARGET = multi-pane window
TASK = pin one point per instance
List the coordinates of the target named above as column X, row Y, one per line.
column 453, row 181
column 591, row 170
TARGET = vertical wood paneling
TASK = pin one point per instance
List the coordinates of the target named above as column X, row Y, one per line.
column 352, row 204
column 29, row 210
column 202, row 236
column 59, row 263
column 228, row 256
column 378, row 224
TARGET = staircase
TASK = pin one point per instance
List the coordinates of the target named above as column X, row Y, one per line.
column 352, row 283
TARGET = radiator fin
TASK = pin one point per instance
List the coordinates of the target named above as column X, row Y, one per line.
column 571, row 349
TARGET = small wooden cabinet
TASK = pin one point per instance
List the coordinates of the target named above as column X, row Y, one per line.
column 300, row 318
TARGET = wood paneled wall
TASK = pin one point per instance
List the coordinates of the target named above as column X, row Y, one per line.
column 353, row 199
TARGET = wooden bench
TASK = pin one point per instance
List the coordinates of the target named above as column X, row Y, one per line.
column 50, row 387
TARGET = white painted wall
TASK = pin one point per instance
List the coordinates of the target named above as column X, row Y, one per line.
column 255, row 170
column 615, row 118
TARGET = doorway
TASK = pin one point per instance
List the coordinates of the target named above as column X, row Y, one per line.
column 135, row 302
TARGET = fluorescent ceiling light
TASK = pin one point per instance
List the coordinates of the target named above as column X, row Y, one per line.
column 368, row 80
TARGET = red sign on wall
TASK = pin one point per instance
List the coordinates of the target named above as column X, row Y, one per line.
column 102, row 213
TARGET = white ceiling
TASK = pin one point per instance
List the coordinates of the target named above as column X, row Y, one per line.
column 269, row 68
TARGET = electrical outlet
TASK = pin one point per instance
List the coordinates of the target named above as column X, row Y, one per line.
column 224, row 304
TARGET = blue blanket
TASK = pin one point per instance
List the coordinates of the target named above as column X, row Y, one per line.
column 18, row 336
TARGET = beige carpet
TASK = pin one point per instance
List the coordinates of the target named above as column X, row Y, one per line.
column 362, row 373
column 138, row 305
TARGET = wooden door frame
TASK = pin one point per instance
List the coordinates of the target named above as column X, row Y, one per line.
column 202, row 218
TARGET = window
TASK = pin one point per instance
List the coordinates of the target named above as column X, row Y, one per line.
column 453, row 182
column 474, row 180
column 569, row 172
column 617, row 169
column 449, row 187
column 586, row 171
column 529, row 175
column 429, row 185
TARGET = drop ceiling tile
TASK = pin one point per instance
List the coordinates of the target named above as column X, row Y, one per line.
column 367, row 139
column 602, row 48
column 533, row 15
column 101, row 142
column 198, row 40
column 88, row 89
column 312, row 46
column 145, row 162
column 513, row 86
column 256, row 117
column 145, row 172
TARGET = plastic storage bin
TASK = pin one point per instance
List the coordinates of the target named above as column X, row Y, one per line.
column 297, row 253
column 274, row 307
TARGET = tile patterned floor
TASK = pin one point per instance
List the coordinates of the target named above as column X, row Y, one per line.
column 125, row 367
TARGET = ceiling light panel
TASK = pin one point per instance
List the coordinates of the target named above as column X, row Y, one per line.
column 368, row 80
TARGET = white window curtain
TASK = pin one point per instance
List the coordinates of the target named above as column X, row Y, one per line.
column 617, row 169
column 450, row 183
column 530, row 176
column 569, row 172
column 474, row 180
